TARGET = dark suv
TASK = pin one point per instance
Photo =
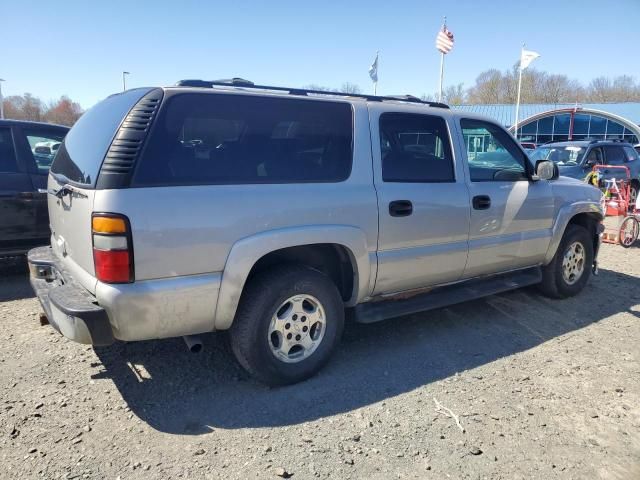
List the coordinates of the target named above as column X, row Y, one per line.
column 576, row 158
column 26, row 152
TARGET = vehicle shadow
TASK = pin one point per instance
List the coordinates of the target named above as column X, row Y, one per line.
column 13, row 272
column 177, row 392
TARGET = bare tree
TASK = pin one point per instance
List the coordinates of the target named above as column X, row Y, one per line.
column 455, row 94
column 314, row 86
column 487, row 89
column 619, row 89
column 600, row 90
column 348, row 87
column 625, row 89
column 493, row 86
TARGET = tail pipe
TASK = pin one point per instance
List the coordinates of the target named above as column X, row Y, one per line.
column 194, row 343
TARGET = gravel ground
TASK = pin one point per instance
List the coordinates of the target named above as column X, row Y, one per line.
column 543, row 389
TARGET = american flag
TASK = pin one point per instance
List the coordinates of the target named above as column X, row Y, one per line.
column 444, row 40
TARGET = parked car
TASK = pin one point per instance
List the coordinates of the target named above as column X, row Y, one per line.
column 577, row 158
column 24, row 222
column 267, row 211
column 528, row 145
column 43, row 152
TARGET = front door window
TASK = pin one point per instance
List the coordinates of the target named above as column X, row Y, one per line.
column 492, row 154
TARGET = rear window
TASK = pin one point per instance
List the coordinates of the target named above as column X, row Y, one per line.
column 241, row 139
column 81, row 154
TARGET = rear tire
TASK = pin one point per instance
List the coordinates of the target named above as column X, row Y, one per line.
column 629, row 231
column 568, row 272
column 288, row 323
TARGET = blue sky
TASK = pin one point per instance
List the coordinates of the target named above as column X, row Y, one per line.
column 80, row 48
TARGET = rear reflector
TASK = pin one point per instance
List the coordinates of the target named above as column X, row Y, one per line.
column 112, row 248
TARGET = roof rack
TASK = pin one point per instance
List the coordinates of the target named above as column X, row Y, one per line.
column 590, row 141
column 615, row 140
column 241, row 82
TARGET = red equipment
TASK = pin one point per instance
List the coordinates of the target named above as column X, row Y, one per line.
column 616, row 203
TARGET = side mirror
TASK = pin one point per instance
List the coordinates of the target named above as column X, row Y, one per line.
column 547, row 170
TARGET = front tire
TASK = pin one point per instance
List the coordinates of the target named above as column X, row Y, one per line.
column 568, row 272
column 288, row 323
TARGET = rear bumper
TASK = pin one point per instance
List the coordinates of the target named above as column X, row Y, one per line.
column 69, row 307
column 143, row 310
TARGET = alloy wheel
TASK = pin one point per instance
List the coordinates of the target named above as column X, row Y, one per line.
column 297, row 328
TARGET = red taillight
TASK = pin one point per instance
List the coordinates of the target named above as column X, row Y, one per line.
column 112, row 248
column 112, row 266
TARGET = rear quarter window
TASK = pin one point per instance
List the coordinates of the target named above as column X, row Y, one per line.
column 247, row 139
column 81, row 154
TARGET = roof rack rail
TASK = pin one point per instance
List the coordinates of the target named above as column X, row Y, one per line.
column 614, row 140
column 241, row 82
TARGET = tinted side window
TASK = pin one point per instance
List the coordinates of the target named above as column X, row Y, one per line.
column 44, row 145
column 491, row 152
column 415, row 148
column 630, row 154
column 614, row 155
column 83, row 150
column 7, row 152
column 242, row 139
column 595, row 157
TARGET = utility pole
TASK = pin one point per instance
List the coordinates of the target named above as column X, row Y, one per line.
column 124, row 81
column 1, row 100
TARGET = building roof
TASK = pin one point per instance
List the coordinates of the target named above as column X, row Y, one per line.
column 505, row 114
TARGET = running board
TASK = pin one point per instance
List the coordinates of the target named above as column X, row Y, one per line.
column 439, row 297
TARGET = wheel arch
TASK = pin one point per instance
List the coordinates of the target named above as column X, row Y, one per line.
column 334, row 260
column 337, row 250
column 586, row 214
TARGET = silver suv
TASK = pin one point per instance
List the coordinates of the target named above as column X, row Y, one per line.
column 269, row 212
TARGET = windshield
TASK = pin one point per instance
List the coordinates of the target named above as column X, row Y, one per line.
column 564, row 155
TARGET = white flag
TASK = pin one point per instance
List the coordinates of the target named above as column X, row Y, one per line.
column 373, row 70
column 527, row 57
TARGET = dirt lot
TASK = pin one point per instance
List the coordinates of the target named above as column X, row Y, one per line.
column 543, row 389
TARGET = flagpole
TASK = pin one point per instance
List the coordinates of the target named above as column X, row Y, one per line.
column 375, row 84
column 441, row 75
column 515, row 129
column 444, row 23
